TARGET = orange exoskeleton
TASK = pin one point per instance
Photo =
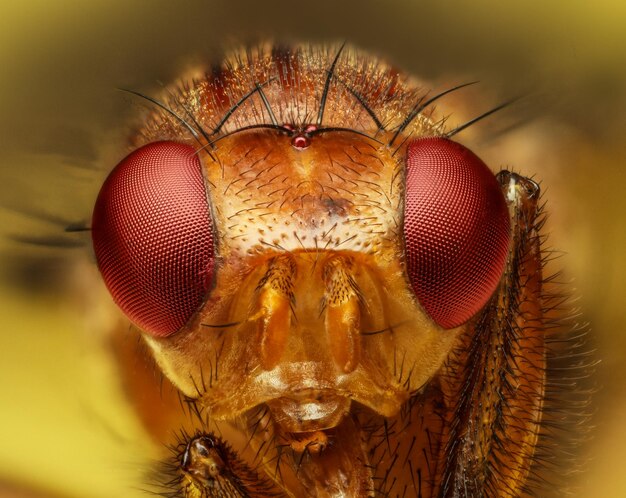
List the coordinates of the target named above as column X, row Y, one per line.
column 350, row 302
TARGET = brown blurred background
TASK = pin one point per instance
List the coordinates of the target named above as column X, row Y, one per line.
column 64, row 429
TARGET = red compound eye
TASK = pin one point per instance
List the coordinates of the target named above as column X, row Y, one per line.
column 153, row 236
column 456, row 230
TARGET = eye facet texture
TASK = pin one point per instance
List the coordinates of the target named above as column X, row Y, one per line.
column 153, row 236
column 456, row 230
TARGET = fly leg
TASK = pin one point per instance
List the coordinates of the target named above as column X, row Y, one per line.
column 494, row 382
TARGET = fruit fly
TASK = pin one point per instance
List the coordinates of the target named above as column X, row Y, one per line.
column 346, row 300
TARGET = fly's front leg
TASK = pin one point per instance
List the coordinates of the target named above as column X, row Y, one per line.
column 205, row 466
column 494, row 382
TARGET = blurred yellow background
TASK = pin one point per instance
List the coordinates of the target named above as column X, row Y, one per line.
column 64, row 428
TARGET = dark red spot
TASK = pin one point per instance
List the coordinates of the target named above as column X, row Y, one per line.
column 300, row 142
